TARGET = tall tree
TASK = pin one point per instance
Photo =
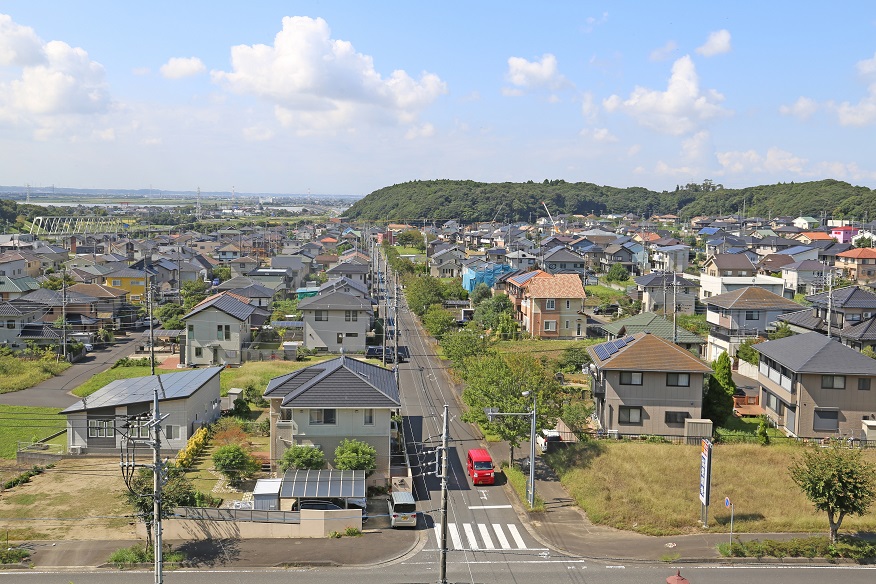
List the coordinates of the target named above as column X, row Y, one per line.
column 423, row 292
column 838, row 481
column 499, row 381
column 480, row 293
column 718, row 398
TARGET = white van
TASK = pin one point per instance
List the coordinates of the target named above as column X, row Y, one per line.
column 402, row 509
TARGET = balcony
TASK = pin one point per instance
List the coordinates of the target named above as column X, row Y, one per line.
column 597, row 387
column 777, row 377
column 734, row 337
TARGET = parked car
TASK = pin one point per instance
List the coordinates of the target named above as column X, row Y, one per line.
column 88, row 347
column 318, row 505
column 547, row 439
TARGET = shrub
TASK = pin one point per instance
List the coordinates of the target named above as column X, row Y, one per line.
column 13, row 555
column 355, row 455
column 302, row 457
column 352, row 532
column 234, row 462
column 195, row 445
column 335, row 534
column 23, row 477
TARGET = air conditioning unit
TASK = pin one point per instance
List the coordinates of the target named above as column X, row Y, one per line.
column 76, row 450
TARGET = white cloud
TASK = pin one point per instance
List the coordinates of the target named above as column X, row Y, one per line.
column 862, row 113
column 776, row 160
column 678, row 110
column 717, row 43
column 423, row 131
column 19, row 45
column 697, row 146
column 634, row 149
column 317, row 83
column 257, row 134
column 663, row 169
column 179, row 67
column 591, row 22
column 602, row 135
column 803, row 108
column 523, row 74
column 664, row 52
column 589, row 109
column 867, row 66
column 141, row 71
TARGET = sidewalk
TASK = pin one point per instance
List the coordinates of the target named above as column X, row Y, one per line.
column 373, row 547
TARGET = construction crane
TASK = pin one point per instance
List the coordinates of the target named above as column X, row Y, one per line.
column 554, row 228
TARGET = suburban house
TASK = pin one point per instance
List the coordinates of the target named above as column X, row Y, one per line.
column 806, row 223
column 813, row 386
column 354, row 270
column 228, row 252
column 660, row 291
column 805, row 276
column 858, row 264
column 562, row 260
column 321, row 405
column 336, row 322
column 12, row 288
column 79, row 309
column 13, row 318
column 552, row 307
column 447, row 263
column 134, row 281
column 851, row 312
column 670, row 258
column 520, row 260
column 663, row 327
column 219, row 328
column 740, row 315
column 844, row 234
column 727, row 272
column 616, row 253
column 644, row 384
column 101, row 423
column 243, row 265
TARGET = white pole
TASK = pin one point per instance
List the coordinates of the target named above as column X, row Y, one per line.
column 731, row 523
column 532, row 456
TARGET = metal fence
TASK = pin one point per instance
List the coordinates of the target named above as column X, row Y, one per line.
column 730, row 439
column 252, row 515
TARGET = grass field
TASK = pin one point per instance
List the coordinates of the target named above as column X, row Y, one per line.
column 26, row 424
column 597, row 295
column 111, row 375
column 18, row 374
column 260, row 373
column 542, row 348
column 654, row 488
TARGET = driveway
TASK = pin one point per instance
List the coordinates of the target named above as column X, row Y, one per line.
column 55, row 392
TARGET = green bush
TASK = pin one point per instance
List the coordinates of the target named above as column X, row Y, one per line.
column 13, row 555
column 802, row 547
column 335, row 534
column 352, row 532
column 24, row 477
column 137, row 554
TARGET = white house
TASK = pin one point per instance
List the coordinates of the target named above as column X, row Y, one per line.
column 218, row 329
column 336, row 321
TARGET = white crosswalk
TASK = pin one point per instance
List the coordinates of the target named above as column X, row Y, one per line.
column 467, row 539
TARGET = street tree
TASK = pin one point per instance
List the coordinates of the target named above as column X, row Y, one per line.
column 718, row 396
column 460, row 345
column 438, row 321
column 837, row 481
column 499, row 381
column 355, row 455
column 411, row 238
column 302, row 457
column 177, row 491
column 423, row 292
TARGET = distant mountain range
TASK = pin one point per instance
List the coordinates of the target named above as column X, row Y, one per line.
column 18, row 192
column 442, row 200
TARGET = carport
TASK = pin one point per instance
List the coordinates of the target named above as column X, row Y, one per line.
column 323, row 484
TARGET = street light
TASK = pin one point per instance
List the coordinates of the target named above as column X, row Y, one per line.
column 493, row 412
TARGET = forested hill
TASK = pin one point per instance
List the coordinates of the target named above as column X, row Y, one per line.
column 441, row 200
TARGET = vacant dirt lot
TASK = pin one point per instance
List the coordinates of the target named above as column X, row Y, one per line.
column 78, row 499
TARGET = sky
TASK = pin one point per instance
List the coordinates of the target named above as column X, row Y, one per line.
column 346, row 97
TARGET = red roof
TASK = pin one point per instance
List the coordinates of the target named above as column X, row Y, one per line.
column 859, row 253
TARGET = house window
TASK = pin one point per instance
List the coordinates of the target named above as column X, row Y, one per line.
column 191, row 329
column 629, row 415
column 199, row 352
column 171, row 432
column 631, row 378
column 833, row 382
column 751, row 315
column 352, row 335
column 550, row 326
column 322, row 417
column 135, row 297
column 568, row 304
column 826, row 420
column 101, row 429
column 550, row 304
column 10, row 324
column 340, row 338
column 223, row 332
column 320, row 315
column 864, row 383
column 676, row 417
column 117, row 282
column 567, row 324
column 368, row 418
column 351, row 315
column 678, row 379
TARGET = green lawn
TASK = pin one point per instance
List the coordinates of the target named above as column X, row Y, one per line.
column 654, row 488
column 26, row 424
column 18, row 374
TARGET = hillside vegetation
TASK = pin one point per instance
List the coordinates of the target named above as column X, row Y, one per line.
column 442, row 200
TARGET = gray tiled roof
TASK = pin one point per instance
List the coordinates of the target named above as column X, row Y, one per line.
column 141, row 389
column 338, row 383
column 848, row 297
column 752, row 298
column 334, row 301
column 816, row 353
column 861, row 331
column 227, row 304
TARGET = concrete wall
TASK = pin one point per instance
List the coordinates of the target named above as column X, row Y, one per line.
column 314, row 524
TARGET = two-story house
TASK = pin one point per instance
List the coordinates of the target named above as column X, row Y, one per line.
column 847, row 313
column 643, row 384
column 243, row 266
column 553, row 307
column 562, row 260
column 670, row 258
column 660, row 291
column 805, row 276
column 743, row 314
column 13, row 318
column 726, row 272
column 446, row 263
column 354, row 270
column 133, row 281
column 321, row 405
column 219, row 328
column 858, row 264
column 336, row 322
column 813, row 386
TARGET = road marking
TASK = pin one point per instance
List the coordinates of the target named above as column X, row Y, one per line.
column 500, row 535
column 483, row 493
column 516, row 535
column 454, row 535
column 469, row 534
column 485, row 535
column 489, row 506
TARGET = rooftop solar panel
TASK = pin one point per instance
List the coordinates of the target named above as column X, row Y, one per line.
column 601, row 352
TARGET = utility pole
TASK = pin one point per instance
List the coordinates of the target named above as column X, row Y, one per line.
column 445, row 468
column 151, row 335
column 157, row 478
column 395, row 319
column 64, row 312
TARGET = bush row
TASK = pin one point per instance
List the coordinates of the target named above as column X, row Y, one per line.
column 194, row 447
column 803, row 547
column 26, row 476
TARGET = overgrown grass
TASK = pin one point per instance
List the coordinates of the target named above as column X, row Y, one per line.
column 695, row 323
column 518, row 481
column 538, row 348
column 654, row 488
column 801, row 547
column 138, row 554
column 597, row 295
column 18, row 374
column 259, row 373
column 13, row 555
column 27, row 424
column 744, row 426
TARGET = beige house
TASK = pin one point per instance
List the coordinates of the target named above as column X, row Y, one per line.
column 552, row 307
column 323, row 404
column 814, row 386
column 219, row 328
column 336, row 322
column 643, row 384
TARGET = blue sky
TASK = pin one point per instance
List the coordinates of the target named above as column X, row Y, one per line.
column 348, row 97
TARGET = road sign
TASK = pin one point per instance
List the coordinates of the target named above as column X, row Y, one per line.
column 706, row 472
column 727, row 502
